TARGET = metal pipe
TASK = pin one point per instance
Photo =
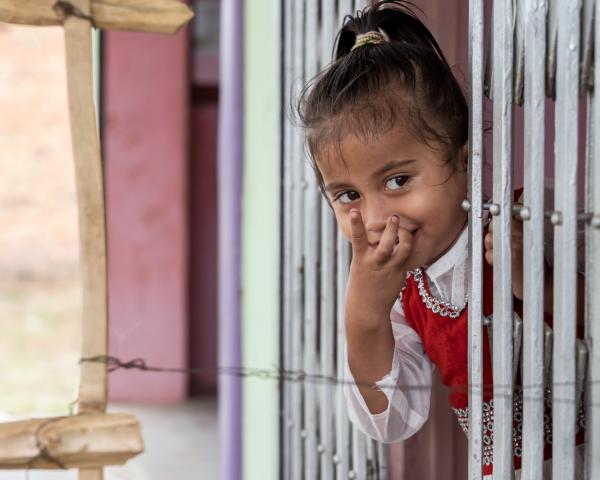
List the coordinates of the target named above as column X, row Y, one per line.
column 565, row 243
column 328, row 293
column 533, row 242
column 593, row 278
column 475, row 328
column 502, row 192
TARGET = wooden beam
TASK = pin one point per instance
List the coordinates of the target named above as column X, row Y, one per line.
column 87, row 441
column 93, row 388
column 90, row 201
column 158, row 16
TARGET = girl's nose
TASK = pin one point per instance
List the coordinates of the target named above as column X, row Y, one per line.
column 375, row 217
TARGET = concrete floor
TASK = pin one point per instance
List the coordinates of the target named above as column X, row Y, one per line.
column 180, row 444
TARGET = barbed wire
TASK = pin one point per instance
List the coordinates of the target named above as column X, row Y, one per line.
column 300, row 376
column 286, row 375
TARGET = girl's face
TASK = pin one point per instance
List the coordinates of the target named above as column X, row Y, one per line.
column 397, row 174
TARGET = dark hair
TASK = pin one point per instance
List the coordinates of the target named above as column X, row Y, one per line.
column 369, row 90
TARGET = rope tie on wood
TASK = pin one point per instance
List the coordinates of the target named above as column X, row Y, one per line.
column 42, row 446
column 64, row 9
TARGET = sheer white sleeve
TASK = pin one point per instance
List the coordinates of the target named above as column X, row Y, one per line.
column 407, row 387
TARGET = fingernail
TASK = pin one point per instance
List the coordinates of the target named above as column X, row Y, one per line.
column 395, row 219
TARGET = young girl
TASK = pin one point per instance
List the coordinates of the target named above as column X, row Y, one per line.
column 387, row 127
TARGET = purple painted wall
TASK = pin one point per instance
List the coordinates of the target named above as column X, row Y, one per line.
column 230, row 176
column 145, row 95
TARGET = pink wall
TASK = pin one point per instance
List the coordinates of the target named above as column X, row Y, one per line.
column 145, row 92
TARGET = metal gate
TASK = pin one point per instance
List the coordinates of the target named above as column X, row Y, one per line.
column 538, row 48
column 317, row 439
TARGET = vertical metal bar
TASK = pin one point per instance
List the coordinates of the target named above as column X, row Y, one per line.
column 565, row 243
column 345, row 7
column 371, row 459
column 360, row 4
column 593, row 278
column 328, row 294
column 533, row 242
column 229, row 183
column 475, row 341
column 382, row 461
column 297, row 248
column 278, row 220
column 359, row 453
column 312, row 210
column 342, row 455
column 588, row 296
column 288, row 239
column 548, row 343
column 503, row 304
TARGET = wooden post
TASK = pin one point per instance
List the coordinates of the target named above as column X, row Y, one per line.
column 91, row 430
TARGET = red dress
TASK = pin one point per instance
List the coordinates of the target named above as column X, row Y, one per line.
column 445, row 342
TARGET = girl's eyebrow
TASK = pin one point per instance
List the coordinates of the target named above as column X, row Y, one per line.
column 335, row 186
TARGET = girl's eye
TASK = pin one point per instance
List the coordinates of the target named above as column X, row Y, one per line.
column 396, row 183
column 348, row 197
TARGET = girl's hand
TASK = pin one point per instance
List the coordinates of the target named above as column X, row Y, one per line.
column 377, row 271
column 517, row 254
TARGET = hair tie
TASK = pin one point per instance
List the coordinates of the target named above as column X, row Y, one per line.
column 374, row 37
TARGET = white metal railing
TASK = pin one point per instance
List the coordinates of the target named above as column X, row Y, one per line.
column 539, row 48
column 318, row 441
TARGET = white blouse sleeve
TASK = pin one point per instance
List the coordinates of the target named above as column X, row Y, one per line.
column 407, row 387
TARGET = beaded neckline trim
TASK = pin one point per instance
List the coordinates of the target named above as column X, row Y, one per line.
column 439, row 307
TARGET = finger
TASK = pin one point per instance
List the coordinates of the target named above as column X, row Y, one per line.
column 517, row 226
column 488, row 241
column 388, row 239
column 404, row 246
column 358, row 234
column 489, row 257
column 491, row 226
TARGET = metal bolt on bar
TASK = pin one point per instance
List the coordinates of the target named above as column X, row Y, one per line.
column 493, row 208
column 556, row 218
